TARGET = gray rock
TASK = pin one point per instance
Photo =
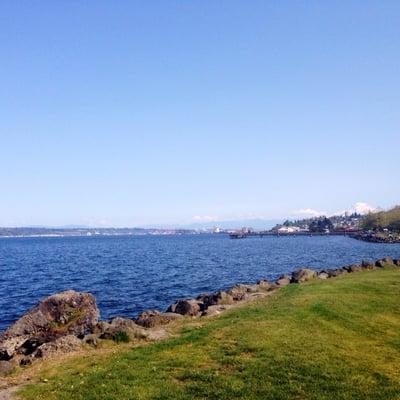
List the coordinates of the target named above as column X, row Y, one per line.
column 118, row 325
column 153, row 318
column 66, row 313
column 64, row 344
column 283, row 280
column 384, row 262
column 323, row 275
column 396, row 262
column 264, row 284
column 353, row 268
column 336, row 272
column 10, row 345
column 367, row 265
column 239, row 292
column 216, row 298
column 303, row 275
column 252, row 288
column 215, row 310
column 186, row 307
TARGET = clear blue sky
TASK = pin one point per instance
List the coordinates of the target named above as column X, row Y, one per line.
column 142, row 112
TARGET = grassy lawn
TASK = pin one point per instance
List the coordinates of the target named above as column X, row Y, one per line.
column 334, row 339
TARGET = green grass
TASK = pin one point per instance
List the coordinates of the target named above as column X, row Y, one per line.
column 334, row 339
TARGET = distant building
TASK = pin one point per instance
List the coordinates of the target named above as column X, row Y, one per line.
column 288, row 229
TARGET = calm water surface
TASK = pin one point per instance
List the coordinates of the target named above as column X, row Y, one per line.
column 130, row 274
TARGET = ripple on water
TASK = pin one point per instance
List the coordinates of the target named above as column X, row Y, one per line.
column 130, row 274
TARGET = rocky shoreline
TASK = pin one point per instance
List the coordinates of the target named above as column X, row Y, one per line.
column 376, row 238
column 65, row 322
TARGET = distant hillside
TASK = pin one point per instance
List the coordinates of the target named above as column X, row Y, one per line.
column 384, row 219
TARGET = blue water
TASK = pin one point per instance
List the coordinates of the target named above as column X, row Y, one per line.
column 130, row 274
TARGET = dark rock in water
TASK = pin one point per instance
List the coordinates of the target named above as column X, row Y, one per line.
column 186, row 307
column 303, row 275
column 384, row 262
column 6, row 367
column 283, row 280
column 64, row 344
column 66, row 313
column 153, row 318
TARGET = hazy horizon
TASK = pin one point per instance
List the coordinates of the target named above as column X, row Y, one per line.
column 209, row 222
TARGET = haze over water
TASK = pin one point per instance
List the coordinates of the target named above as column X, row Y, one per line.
column 130, row 274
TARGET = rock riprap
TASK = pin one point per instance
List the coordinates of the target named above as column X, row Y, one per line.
column 154, row 318
column 62, row 314
column 303, row 275
column 186, row 307
column 384, row 262
column 63, row 322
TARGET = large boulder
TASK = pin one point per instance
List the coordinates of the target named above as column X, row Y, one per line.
column 64, row 344
column 186, row 307
column 153, row 318
column 62, row 314
column 303, row 275
column 239, row 292
column 216, row 298
column 121, row 325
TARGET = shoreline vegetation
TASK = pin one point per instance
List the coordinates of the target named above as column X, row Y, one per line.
column 376, row 227
column 68, row 322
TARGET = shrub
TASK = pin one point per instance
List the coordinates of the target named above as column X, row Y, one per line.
column 121, row 337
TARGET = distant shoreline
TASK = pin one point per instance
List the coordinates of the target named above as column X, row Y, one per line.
column 89, row 232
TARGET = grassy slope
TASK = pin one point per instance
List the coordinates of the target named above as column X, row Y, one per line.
column 335, row 339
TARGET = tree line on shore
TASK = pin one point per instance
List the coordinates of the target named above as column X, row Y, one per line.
column 374, row 221
column 381, row 220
